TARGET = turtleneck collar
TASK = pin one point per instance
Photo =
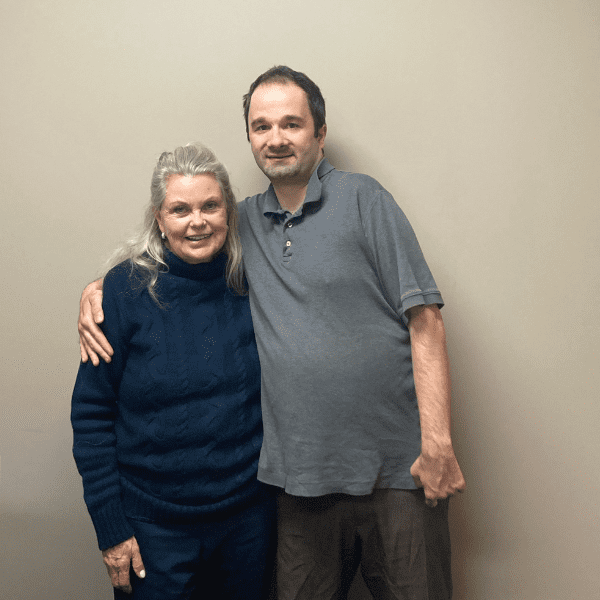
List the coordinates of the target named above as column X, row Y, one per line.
column 199, row 272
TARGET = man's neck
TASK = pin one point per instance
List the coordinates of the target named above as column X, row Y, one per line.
column 290, row 195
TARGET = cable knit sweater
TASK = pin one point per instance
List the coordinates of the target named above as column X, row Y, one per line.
column 171, row 428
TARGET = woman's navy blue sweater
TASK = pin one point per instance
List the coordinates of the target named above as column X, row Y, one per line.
column 171, row 428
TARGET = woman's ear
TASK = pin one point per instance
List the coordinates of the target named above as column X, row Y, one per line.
column 158, row 218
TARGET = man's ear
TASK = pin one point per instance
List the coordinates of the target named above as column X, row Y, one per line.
column 321, row 137
column 322, row 133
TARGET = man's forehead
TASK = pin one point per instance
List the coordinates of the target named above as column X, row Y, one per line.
column 273, row 95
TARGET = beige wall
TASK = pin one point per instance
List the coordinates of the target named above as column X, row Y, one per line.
column 481, row 117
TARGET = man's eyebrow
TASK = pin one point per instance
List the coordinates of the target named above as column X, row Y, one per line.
column 260, row 120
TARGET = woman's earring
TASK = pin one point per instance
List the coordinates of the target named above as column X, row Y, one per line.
column 163, row 236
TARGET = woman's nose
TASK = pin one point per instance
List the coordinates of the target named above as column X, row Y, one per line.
column 198, row 218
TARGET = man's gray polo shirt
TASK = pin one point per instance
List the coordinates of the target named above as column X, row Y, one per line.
column 329, row 289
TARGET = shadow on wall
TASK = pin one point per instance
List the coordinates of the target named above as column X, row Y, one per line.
column 339, row 156
column 52, row 556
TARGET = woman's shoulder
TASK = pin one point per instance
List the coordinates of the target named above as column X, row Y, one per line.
column 126, row 278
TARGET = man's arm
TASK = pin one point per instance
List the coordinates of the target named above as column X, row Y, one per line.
column 92, row 341
column 436, row 469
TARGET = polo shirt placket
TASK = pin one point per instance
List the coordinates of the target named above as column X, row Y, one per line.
column 288, row 222
column 288, row 244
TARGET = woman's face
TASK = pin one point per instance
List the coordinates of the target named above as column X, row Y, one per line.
column 193, row 216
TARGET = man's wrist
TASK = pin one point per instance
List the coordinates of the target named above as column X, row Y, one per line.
column 436, row 446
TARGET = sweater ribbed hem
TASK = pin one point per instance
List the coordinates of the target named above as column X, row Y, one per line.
column 138, row 504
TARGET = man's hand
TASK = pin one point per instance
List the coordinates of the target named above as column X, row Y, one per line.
column 439, row 474
column 117, row 560
column 92, row 342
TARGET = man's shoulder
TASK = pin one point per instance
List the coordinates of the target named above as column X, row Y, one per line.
column 363, row 186
column 336, row 176
column 252, row 205
column 249, row 201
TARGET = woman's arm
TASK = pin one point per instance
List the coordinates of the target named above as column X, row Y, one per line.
column 93, row 416
column 117, row 560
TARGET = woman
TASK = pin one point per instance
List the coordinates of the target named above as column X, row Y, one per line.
column 167, row 435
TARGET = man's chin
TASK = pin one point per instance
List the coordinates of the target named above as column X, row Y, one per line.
column 282, row 172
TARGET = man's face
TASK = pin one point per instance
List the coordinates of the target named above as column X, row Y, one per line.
column 282, row 133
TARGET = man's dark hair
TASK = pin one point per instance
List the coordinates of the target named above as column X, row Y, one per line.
column 283, row 74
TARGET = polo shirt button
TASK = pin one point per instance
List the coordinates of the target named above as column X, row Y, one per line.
column 288, row 243
column 289, row 225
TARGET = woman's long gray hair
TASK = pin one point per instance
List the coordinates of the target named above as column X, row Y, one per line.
column 145, row 249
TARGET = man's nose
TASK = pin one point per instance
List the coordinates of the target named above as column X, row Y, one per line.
column 276, row 138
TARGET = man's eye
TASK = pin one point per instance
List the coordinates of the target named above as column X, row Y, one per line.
column 292, row 124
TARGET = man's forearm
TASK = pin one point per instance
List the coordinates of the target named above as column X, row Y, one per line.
column 432, row 377
column 436, row 468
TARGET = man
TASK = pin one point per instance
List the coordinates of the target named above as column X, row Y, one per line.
column 355, row 383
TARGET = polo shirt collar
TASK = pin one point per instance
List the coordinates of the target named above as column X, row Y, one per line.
column 313, row 192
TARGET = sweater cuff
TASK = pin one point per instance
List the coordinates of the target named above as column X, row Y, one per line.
column 111, row 525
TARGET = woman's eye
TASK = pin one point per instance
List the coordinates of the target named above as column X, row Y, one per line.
column 179, row 209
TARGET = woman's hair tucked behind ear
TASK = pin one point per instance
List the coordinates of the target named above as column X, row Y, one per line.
column 145, row 249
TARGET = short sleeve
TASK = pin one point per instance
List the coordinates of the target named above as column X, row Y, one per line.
column 401, row 267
